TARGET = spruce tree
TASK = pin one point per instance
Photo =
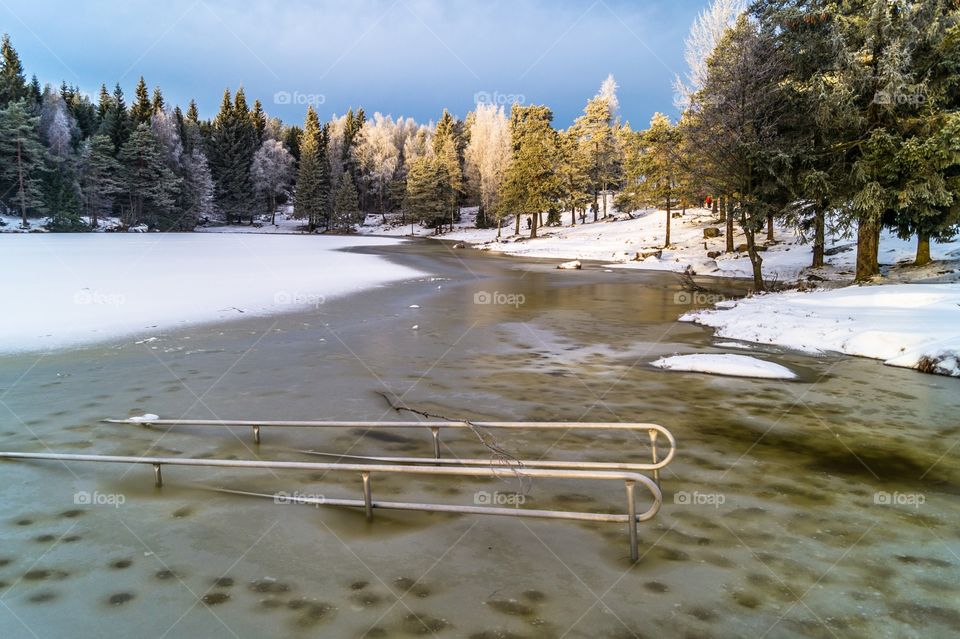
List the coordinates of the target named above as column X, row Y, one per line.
column 425, row 200
column 142, row 109
column 150, row 188
column 13, row 84
column 346, row 205
column 312, row 193
column 116, row 122
column 157, row 103
column 99, row 177
column 531, row 184
column 22, row 161
column 259, row 120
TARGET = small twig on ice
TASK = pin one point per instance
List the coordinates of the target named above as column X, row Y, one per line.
column 499, row 455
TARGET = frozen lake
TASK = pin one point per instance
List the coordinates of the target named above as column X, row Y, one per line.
column 69, row 289
column 820, row 507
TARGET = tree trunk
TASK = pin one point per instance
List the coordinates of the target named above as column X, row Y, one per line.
column 818, row 236
column 666, row 241
column 923, row 249
column 868, row 245
column 273, row 209
column 728, row 205
column 517, row 231
column 755, row 260
column 499, row 226
column 770, row 228
column 715, row 207
column 596, row 205
column 573, row 214
column 723, row 209
column 533, row 225
column 23, row 193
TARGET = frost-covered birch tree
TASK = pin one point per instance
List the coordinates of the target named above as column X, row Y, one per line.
column 705, row 33
column 487, row 157
column 271, row 172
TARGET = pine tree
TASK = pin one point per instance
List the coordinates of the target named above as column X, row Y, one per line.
column 35, row 91
column 141, row 109
column 446, row 148
column 156, row 103
column 150, row 187
column 598, row 142
column 312, row 199
column 259, row 120
column 103, row 104
column 116, row 123
column 291, row 138
column 13, row 84
column 426, row 192
column 346, row 205
column 22, row 161
column 99, row 177
column 531, row 185
column 651, row 175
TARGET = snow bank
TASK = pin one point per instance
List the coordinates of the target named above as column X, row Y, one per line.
column 725, row 364
column 67, row 289
column 910, row 325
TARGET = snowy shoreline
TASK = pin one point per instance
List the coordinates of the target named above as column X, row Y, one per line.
column 908, row 325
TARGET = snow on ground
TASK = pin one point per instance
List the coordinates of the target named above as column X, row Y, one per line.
column 618, row 239
column 68, row 289
column 725, row 364
column 910, row 325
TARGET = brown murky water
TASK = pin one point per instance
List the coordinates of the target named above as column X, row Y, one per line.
column 825, row 507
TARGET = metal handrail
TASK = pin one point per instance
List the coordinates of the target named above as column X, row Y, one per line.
column 630, row 480
column 653, row 430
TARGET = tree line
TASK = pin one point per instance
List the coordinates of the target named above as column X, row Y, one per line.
column 809, row 114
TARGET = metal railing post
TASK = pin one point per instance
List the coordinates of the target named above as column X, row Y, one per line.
column 157, row 476
column 653, row 449
column 256, row 434
column 367, row 498
column 436, row 441
column 632, row 516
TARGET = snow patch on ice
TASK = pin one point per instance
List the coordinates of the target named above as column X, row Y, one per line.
column 725, row 364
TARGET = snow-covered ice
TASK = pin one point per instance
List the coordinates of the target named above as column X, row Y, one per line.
column 910, row 325
column 725, row 364
column 69, row 289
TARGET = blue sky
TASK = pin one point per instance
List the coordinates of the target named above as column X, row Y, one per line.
column 403, row 57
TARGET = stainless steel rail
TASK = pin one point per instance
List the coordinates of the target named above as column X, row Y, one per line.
column 653, row 430
column 630, row 480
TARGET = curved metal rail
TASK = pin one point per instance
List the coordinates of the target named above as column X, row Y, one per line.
column 630, row 480
column 653, row 430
